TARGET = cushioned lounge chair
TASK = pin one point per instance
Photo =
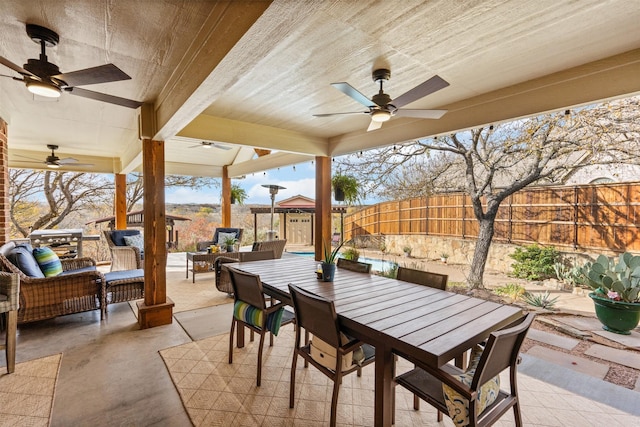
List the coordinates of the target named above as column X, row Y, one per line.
column 125, row 256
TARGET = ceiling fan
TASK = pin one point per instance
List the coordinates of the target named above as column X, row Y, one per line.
column 209, row 144
column 54, row 162
column 45, row 79
column 382, row 107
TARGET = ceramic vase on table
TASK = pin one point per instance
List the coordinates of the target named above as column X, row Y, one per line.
column 328, row 272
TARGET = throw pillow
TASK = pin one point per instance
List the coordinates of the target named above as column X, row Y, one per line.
column 136, row 240
column 457, row 405
column 22, row 257
column 222, row 237
column 117, row 236
column 48, row 261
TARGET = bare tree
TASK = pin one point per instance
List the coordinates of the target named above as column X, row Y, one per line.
column 40, row 200
column 491, row 163
column 44, row 199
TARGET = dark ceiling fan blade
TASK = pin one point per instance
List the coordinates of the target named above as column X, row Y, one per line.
column 432, row 85
column 421, row 114
column 339, row 114
column 352, row 92
column 374, row 125
column 91, row 76
column 103, row 97
column 29, row 158
column 18, row 69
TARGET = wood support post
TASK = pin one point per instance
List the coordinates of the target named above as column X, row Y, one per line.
column 226, row 198
column 156, row 309
column 323, row 206
column 120, row 202
column 5, row 215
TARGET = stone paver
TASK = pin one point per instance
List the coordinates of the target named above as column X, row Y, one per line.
column 638, row 384
column 632, row 340
column 552, row 339
column 581, row 323
column 575, row 363
column 626, row 358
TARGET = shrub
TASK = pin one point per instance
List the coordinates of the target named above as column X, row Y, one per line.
column 351, row 253
column 534, row 262
column 391, row 273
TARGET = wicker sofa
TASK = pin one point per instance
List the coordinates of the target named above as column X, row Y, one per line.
column 79, row 288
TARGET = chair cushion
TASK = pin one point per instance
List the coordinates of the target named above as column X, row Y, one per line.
column 113, row 276
column 135, row 240
column 22, row 257
column 222, row 237
column 118, row 236
column 48, row 261
column 79, row 270
column 253, row 316
column 457, row 405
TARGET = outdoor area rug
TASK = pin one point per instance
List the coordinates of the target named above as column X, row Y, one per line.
column 217, row 393
column 26, row 396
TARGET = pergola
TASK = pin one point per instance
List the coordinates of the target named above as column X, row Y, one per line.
column 251, row 74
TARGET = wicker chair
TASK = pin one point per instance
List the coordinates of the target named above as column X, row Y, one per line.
column 359, row 267
column 9, row 297
column 276, row 245
column 79, row 288
column 123, row 257
column 202, row 246
column 223, row 280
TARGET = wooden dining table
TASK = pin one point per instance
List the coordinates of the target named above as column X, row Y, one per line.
column 414, row 321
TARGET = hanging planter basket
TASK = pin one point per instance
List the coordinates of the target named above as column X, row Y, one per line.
column 338, row 194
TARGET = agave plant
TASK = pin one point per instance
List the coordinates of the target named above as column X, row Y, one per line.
column 618, row 281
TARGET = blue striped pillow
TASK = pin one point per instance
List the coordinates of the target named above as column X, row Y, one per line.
column 48, row 261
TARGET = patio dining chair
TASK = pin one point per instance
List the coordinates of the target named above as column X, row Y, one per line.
column 9, row 302
column 425, row 278
column 358, row 267
column 330, row 351
column 250, row 310
column 473, row 397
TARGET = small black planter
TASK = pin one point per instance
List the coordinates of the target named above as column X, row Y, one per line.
column 338, row 194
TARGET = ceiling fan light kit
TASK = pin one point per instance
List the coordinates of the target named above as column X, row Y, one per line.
column 382, row 108
column 43, row 89
column 44, row 78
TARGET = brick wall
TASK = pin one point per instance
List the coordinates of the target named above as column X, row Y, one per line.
column 5, row 226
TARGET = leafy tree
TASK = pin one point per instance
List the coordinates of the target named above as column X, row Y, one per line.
column 492, row 162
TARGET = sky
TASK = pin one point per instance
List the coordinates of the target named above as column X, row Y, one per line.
column 300, row 180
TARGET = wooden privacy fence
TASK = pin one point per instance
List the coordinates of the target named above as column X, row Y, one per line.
column 597, row 216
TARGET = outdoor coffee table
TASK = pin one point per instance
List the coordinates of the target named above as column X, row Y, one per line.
column 202, row 262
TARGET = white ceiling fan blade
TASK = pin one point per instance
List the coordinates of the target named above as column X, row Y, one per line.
column 421, row 114
column 432, row 85
column 67, row 161
column 339, row 114
column 29, row 158
column 374, row 125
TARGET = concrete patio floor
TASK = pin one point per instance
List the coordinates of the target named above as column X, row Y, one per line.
column 111, row 373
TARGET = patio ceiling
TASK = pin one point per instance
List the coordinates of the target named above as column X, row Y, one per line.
column 251, row 74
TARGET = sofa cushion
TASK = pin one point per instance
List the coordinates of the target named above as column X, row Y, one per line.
column 22, row 257
column 48, row 261
column 118, row 236
column 135, row 240
column 114, row 276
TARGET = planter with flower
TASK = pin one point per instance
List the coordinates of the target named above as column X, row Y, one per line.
column 616, row 294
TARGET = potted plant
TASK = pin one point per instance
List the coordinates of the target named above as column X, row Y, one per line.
column 443, row 257
column 407, row 251
column 345, row 188
column 616, row 293
column 238, row 194
column 329, row 262
column 229, row 242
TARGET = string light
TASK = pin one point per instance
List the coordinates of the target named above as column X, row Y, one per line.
column 491, row 127
column 294, row 168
